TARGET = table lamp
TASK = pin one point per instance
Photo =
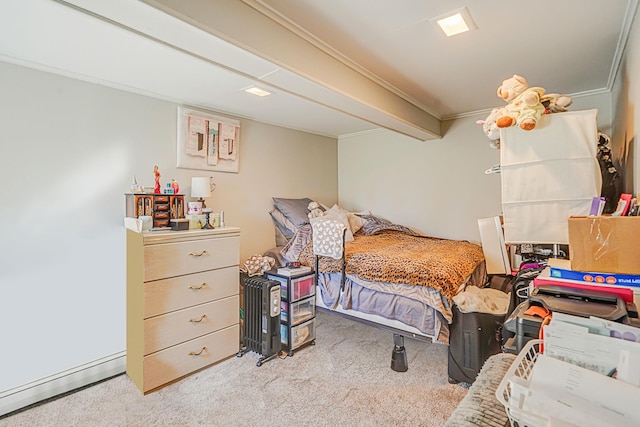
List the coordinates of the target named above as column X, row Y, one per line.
column 201, row 187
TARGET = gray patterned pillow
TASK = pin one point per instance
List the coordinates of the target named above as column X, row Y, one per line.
column 292, row 250
column 295, row 210
column 373, row 225
column 282, row 224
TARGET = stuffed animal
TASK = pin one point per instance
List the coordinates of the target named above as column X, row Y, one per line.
column 490, row 127
column 555, row 102
column 511, row 89
column 314, row 210
column 524, row 107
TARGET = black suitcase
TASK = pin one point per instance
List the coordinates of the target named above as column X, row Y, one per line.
column 473, row 338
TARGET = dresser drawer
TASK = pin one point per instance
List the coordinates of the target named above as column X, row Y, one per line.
column 161, row 199
column 176, row 259
column 179, row 326
column 180, row 360
column 163, row 296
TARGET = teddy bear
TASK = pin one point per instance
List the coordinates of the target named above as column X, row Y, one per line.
column 524, row 107
column 552, row 103
column 314, row 210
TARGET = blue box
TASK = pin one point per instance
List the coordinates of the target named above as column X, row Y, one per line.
column 592, row 277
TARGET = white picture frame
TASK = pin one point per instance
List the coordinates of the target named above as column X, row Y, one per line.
column 206, row 141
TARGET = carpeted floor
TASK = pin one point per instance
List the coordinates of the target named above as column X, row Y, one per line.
column 344, row 380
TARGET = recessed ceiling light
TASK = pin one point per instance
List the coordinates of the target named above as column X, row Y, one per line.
column 456, row 22
column 257, row 91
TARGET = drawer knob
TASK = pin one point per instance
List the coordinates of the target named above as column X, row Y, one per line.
column 198, row 320
column 195, row 254
column 198, row 287
column 193, row 353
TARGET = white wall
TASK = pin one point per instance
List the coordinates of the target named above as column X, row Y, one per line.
column 69, row 151
column 626, row 94
column 437, row 187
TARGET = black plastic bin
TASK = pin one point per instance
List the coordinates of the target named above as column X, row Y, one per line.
column 473, row 338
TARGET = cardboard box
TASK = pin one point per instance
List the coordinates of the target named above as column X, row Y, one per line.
column 605, row 244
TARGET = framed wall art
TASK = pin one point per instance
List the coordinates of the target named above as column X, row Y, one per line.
column 207, row 141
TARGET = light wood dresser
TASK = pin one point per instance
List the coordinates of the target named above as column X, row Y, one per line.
column 182, row 302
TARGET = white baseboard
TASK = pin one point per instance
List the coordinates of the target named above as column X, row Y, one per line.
column 36, row 391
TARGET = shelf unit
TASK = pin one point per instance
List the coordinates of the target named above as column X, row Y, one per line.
column 297, row 310
column 161, row 207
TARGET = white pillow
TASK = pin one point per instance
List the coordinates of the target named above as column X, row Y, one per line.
column 339, row 214
column 355, row 222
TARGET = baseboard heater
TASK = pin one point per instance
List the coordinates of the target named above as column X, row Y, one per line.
column 63, row 382
column 261, row 327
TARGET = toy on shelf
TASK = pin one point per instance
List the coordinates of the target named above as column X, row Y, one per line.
column 555, row 102
column 490, row 127
column 525, row 107
column 314, row 210
column 156, row 174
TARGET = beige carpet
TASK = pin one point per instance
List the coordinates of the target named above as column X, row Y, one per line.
column 344, row 380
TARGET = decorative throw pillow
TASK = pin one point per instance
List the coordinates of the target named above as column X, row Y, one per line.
column 337, row 213
column 297, row 243
column 281, row 239
column 355, row 222
column 256, row 265
column 374, row 224
column 327, row 236
column 295, row 210
column 282, row 223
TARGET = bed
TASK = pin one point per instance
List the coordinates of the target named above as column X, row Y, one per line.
column 390, row 275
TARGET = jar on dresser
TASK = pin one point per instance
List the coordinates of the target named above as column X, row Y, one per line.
column 182, row 302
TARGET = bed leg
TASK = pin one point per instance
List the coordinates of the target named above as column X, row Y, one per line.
column 399, row 355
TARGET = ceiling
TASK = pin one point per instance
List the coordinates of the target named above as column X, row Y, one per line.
column 335, row 67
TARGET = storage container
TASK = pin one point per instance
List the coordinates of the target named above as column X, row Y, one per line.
column 301, row 287
column 301, row 311
column 300, row 334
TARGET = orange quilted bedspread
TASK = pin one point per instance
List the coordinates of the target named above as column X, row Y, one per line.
column 395, row 257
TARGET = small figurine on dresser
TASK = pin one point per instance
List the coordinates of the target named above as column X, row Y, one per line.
column 156, row 174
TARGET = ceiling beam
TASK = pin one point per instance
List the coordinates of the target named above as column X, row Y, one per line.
column 307, row 70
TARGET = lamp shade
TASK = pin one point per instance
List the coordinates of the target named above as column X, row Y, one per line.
column 200, row 187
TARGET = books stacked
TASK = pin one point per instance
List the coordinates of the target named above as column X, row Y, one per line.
column 627, row 206
column 294, row 271
column 560, row 272
column 597, row 206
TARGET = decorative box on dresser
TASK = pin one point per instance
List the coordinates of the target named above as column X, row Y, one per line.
column 162, row 208
column 182, row 302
